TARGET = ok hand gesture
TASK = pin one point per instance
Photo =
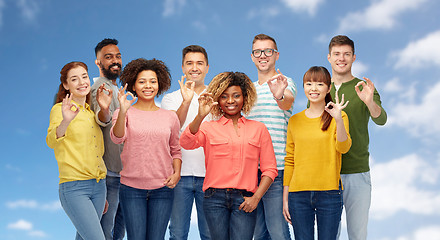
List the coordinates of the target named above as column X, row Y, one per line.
column 206, row 103
column 335, row 108
column 277, row 87
column 186, row 89
column 124, row 103
column 103, row 98
column 66, row 109
column 366, row 95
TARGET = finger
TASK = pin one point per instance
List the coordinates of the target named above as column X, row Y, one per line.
column 336, row 97
column 125, row 87
column 181, row 81
column 242, row 205
column 342, row 100
column 279, row 72
column 192, row 85
column 345, row 105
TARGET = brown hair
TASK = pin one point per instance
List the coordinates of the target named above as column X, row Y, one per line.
column 320, row 74
column 262, row 36
column 62, row 92
column 133, row 68
column 194, row 48
column 226, row 79
column 340, row 40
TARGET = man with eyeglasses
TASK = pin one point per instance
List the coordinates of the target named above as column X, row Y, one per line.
column 276, row 94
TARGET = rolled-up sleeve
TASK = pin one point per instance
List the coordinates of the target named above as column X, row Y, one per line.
column 192, row 141
column 268, row 163
column 115, row 139
column 344, row 146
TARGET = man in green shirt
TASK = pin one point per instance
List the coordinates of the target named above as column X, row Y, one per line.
column 364, row 103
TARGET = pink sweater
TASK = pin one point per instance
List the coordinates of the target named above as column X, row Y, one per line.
column 151, row 142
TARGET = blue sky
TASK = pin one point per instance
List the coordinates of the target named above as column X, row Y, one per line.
column 397, row 47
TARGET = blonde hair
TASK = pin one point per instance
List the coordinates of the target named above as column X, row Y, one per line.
column 226, row 79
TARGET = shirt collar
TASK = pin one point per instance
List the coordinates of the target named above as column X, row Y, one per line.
column 81, row 106
column 224, row 120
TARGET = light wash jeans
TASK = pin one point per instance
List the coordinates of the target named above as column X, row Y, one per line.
column 357, row 201
column 224, row 219
column 270, row 220
column 84, row 201
column 325, row 205
column 112, row 221
column 187, row 190
column 146, row 212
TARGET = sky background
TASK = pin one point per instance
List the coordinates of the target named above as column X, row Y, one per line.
column 397, row 46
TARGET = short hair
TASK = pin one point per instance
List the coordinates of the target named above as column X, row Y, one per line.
column 321, row 74
column 62, row 92
column 194, row 48
column 226, row 79
column 133, row 68
column 263, row 36
column 103, row 43
column 340, row 40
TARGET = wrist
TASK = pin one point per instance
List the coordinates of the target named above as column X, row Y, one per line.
column 279, row 99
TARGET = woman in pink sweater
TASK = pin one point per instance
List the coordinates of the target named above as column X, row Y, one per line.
column 151, row 157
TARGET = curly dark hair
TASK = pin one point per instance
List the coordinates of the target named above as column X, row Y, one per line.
column 133, row 68
column 103, row 43
column 226, row 79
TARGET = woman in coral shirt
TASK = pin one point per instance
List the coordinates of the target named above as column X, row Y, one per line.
column 234, row 148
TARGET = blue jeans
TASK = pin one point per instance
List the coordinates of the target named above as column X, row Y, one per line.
column 111, row 229
column 84, row 201
column 224, row 219
column 270, row 220
column 146, row 212
column 326, row 205
column 357, row 200
column 187, row 190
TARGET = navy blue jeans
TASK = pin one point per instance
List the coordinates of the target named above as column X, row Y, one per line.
column 146, row 212
column 224, row 219
column 325, row 205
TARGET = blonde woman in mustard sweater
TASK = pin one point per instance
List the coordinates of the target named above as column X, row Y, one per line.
column 316, row 139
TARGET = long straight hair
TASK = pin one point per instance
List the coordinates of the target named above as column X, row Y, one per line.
column 321, row 74
column 62, row 92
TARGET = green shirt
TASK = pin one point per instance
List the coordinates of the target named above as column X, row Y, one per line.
column 356, row 160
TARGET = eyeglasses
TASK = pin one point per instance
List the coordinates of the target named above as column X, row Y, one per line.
column 268, row 52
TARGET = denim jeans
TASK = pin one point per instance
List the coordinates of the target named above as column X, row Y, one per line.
column 84, row 201
column 187, row 190
column 146, row 212
column 325, row 205
column 224, row 219
column 357, row 200
column 270, row 220
column 112, row 230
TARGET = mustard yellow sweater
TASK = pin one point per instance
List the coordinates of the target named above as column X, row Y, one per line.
column 313, row 156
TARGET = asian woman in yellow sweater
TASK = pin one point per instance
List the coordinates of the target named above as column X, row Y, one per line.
column 316, row 139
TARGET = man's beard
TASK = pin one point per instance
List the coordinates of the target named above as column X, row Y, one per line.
column 109, row 74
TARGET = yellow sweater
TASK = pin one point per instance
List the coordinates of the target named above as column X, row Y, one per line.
column 313, row 156
column 79, row 152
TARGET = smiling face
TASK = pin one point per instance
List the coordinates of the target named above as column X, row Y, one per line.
column 341, row 58
column 109, row 61
column 78, row 83
column 231, row 102
column 195, row 67
column 316, row 91
column 146, row 85
column 264, row 63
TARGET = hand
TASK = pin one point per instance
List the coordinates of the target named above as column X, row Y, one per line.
column 172, row 180
column 66, row 108
column 103, row 98
column 286, row 213
column 366, row 95
column 206, row 103
column 277, row 87
column 124, row 103
column 334, row 109
column 249, row 204
column 186, row 89
column 105, row 207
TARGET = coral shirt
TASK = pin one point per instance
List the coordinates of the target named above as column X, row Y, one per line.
column 232, row 157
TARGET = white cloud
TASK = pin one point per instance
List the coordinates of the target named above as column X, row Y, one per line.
column 263, row 12
column 32, row 204
column 37, row 233
column 200, row 26
column 424, row 52
column 300, row 6
column 171, row 7
column 418, row 118
column 428, row 232
column 379, row 15
column 405, row 184
column 21, row 225
column 359, row 69
column 29, row 9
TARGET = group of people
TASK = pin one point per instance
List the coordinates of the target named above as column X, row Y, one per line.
column 232, row 147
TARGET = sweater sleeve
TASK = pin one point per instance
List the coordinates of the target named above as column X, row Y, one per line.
column 382, row 119
column 175, row 149
column 290, row 151
column 344, row 146
column 268, row 163
column 115, row 139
